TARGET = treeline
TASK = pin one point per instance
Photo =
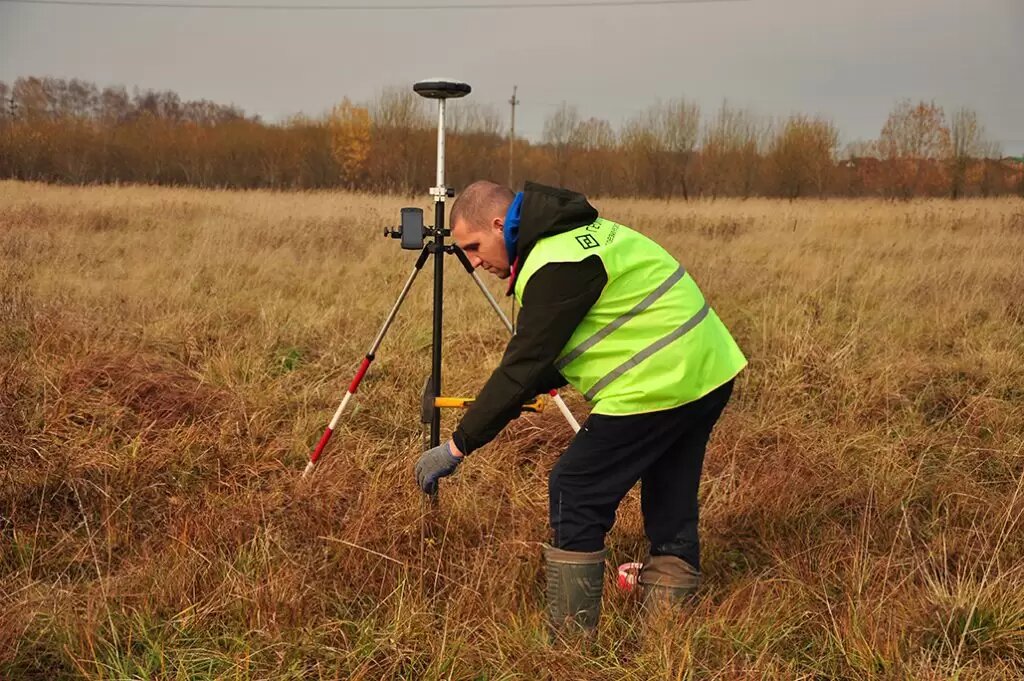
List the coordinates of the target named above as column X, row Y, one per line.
column 70, row 131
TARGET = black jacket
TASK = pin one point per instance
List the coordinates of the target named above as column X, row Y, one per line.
column 556, row 299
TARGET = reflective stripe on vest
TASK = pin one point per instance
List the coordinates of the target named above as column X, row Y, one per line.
column 647, row 352
column 606, row 331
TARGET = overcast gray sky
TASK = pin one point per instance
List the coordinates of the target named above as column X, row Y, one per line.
column 849, row 60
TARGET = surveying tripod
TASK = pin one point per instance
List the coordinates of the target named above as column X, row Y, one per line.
column 412, row 232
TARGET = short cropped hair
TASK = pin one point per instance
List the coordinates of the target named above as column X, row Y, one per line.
column 478, row 203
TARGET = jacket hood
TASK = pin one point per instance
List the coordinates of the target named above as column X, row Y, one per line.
column 546, row 211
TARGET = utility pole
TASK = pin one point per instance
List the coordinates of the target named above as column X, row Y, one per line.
column 512, row 136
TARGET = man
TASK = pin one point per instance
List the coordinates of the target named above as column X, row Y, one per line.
column 611, row 312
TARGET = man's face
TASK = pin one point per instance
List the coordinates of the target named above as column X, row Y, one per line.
column 484, row 247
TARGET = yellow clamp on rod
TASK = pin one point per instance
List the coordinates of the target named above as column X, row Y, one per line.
column 536, row 406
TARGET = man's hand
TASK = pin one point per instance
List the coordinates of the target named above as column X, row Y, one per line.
column 435, row 464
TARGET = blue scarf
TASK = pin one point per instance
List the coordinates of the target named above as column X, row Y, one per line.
column 511, row 230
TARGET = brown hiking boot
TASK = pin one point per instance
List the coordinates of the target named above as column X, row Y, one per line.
column 666, row 581
column 575, row 581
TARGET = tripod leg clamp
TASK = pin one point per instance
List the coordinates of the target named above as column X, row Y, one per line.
column 536, row 407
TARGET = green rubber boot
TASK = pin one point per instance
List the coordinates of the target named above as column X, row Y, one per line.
column 575, row 582
column 665, row 582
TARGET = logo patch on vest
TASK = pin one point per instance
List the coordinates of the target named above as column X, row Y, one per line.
column 587, row 241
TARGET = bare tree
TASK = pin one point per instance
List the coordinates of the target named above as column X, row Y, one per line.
column 731, row 149
column 399, row 108
column 914, row 142
column 114, row 105
column 400, row 136
column 678, row 125
column 477, row 146
column 32, row 98
column 642, row 157
column 559, row 134
column 473, row 117
column 659, row 144
column 80, row 99
column 802, row 154
column 967, row 146
column 992, row 175
column 5, row 101
column 594, row 139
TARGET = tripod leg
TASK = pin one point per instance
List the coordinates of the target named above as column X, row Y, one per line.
column 365, row 365
column 573, row 423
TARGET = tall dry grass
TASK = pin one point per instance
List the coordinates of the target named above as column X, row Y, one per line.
column 167, row 358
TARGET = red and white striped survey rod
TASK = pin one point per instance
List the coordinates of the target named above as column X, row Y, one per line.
column 364, row 366
column 352, row 387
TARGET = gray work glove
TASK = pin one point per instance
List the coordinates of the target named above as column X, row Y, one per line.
column 435, row 464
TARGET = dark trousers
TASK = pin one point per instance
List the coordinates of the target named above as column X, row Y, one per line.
column 664, row 450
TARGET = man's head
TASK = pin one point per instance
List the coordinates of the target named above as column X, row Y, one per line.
column 478, row 223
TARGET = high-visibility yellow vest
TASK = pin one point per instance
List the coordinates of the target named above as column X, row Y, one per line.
column 651, row 341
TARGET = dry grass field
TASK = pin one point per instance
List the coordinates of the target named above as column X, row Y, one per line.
column 169, row 357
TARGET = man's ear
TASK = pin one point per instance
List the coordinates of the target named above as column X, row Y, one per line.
column 498, row 224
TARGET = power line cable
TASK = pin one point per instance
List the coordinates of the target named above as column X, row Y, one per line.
column 558, row 4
